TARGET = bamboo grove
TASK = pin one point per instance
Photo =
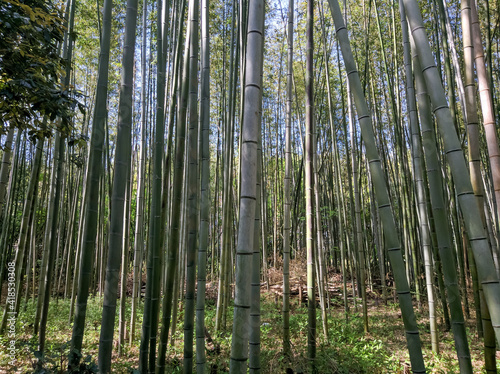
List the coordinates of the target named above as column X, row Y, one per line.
column 163, row 149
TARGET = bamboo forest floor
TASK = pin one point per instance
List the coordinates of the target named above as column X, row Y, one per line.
column 348, row 349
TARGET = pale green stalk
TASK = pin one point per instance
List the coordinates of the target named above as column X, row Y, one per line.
column 248, row 193
column 92, row 198
column 192, row 187
column 139, row 215
column 419, row 181
column 205, row 188
column 487, row 110
column 287, row 182
column 381, row 195
column 310, row 151
column 174, row 241
column 147, row 354
column 470, row 210
column 122, row 162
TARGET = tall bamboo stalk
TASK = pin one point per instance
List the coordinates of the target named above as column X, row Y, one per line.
column 287, row 194
column 309, row 189
column 122, row 165
column 205, row 188
column 192, row 187
column 92, row 198
column 178, row 184
column 381, row 193
column 13, row 304
column 487, row 110
column 248, row 193
column 139, row 215
column 456, row 160
column 147, row 355
column 56, row 192
column 439, row 211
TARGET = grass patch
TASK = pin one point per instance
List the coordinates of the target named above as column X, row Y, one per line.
column 347, row 350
